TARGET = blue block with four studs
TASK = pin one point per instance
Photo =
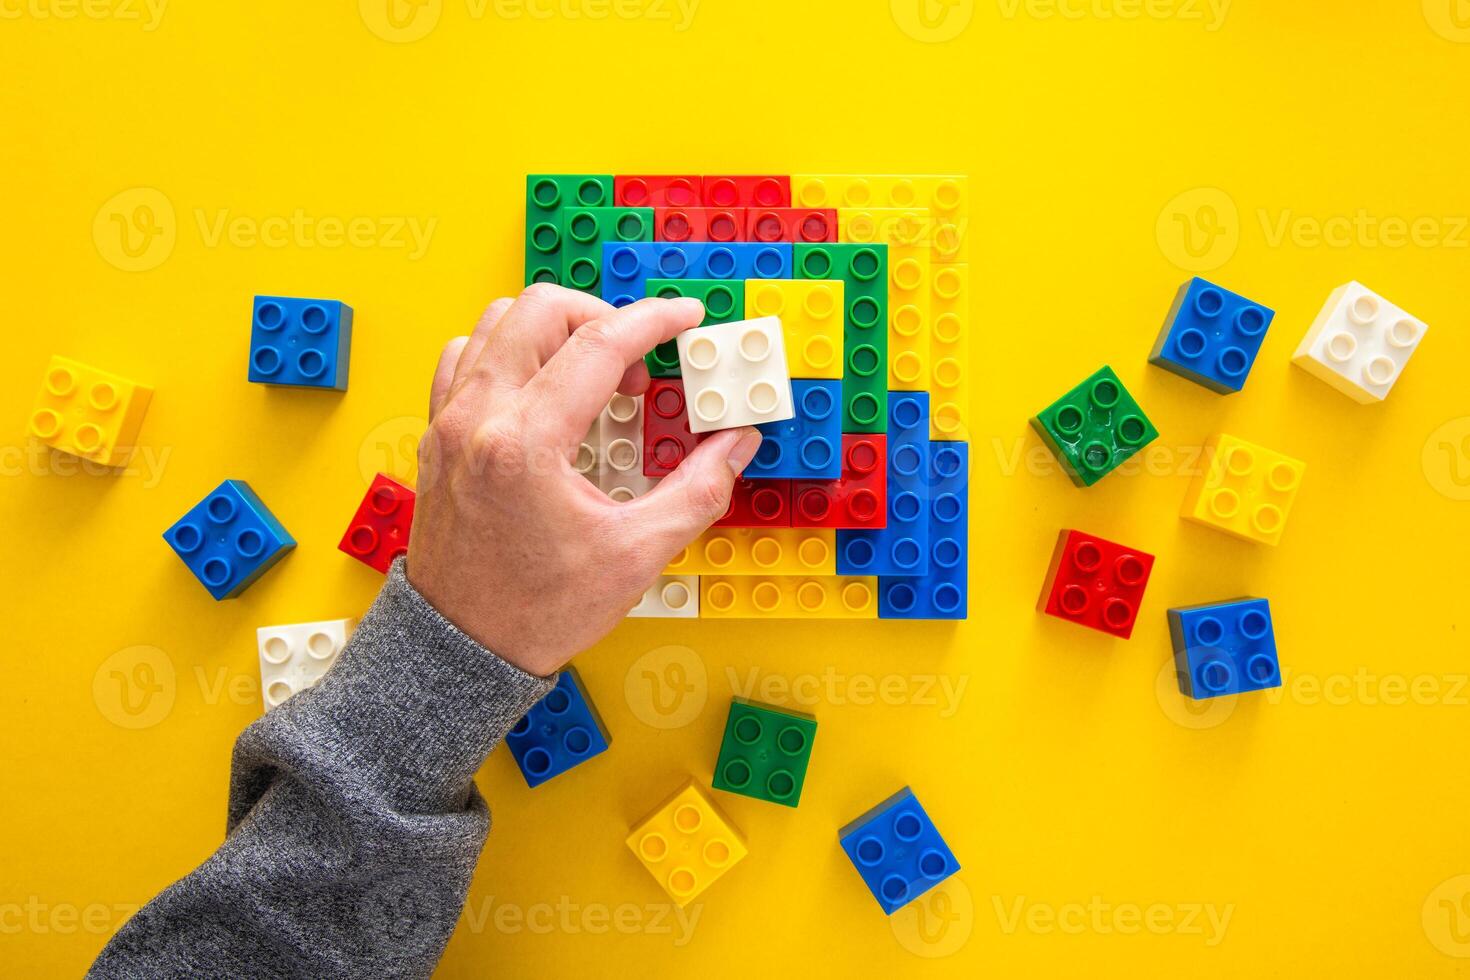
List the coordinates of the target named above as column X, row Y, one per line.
column 902, row 547
column 627, row 266
column 229, row 539
column 897, row 850
column 944, row 592
column 1224, row 648
column 807, row 446
column 1211, row 336
column 302, row 343
column 560, row 731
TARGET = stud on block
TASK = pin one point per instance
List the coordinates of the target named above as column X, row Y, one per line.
column 735, row 374
column 901, row 545
column 1224, row 648
column 546, row 196
column 807, row 446
column 1244, row 490
column 724, row 302
column 858, row 499
column 561, row 731
column 765, row 752
column 1360, row 343
column 811, row 315
column 229, row 539
column 687, row 844
column 897, row 850
column 1211, row 336
column 89, row 413
column 302, row 343
column 1097, row 583
column 1094, row 428
column 293, row 658
column 944, row 592
column 788, row 597
column 671, row 597
column 379, row 530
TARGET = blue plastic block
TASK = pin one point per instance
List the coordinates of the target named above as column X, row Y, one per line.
column 627, row 266
column 808, row 446
column 229, row 539
column 301, row 342
column 901, row 548
column 897, row 850
column 944, row 592
column 1224, row 648
column 1211, row 336
column 560, row 731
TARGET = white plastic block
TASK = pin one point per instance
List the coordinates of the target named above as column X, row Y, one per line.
column 671, row 597
column 1360, row 343
column 293, row 658
column 735, row 374
column 620, row 449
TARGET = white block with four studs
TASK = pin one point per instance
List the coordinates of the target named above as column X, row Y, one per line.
column 1360, row 343
column 735, row 374
column 293, row 658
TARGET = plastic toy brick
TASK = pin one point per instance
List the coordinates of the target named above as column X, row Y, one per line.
column 687, row 844
column 945, row 197
column 561, row 731
column 700, row 225
column 758, row 503
column 765, row 752
column 1244, row 490
column 949, row 352
column 1096, row 583
column 811, row 313
column 1094, row 427
column 671, row 597
column 1211, row 336
column 1360, row 343
column 791, row 225
column 897, row 850
column 863, row 270
column 89, row 413
column 620, row 449
column 747, row 192
column 757, row 551
column 656, row 192
column 229, row 539
column 724, row 302
column 901, row 546
column 584, row 232
column 1224, row 648
column 546, row 195
column 735, row 374
column 909, row 289
column 807, row 446
column 666, row 436
column 944, row 592
column 628, row 266
column 858, row 498
column 305, row 343
column 380, row 528
column 293, row 658
column 788, row 597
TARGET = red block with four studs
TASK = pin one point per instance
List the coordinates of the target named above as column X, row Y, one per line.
column 1096, row 583
column 858, row 499
column 666, row 436
column 699, row 224
column 791, row 225
column 379, row 531
column 656, row 192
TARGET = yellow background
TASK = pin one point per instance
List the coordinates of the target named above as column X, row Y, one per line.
column 1327, row 818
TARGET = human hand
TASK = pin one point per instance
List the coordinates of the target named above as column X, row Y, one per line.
column 509, row 543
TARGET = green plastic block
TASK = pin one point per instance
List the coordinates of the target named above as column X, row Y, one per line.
column 765, row 752
column 583, row 232
column 546, row 196
column 724, row 302
column 863, row 270
column 1095, row 427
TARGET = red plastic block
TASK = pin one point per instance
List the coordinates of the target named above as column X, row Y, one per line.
column 791, row 225
column 699, row 224
column 1096, row 583
column 379, row 531
column 746, row 192
column 666, row 436
column 858, row 499
column 759, row 503
column 642, row 191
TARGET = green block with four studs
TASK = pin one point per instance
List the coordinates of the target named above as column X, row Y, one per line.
column 1095, row 427
column 765, row 752
column 546, row 196
column 863, row 270
column 724, row 302
column 583, row 232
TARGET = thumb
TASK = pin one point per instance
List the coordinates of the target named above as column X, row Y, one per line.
column 687, row 501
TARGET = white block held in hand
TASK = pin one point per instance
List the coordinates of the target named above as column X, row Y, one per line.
column 1359, row 343
column 671, row 597
column 293, row 658
column 735, row 374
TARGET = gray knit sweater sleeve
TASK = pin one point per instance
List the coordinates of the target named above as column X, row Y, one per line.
column 354, row 823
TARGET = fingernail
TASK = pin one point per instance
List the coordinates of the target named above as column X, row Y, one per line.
column 744, row 450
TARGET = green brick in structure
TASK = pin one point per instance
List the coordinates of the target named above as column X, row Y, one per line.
column 863, row 270
column 546, row 196
column 583, row 232
column 765, row 752
column 1095, row 427
column 724, row 302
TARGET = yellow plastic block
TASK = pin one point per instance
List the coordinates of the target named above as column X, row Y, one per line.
column 811, row 312
column 759, row 551
column 946, row 198
column 909, row 287
column 949, row 350
column 687, row 844
column 1244, row 490
column 788, row 597
column 89, row 413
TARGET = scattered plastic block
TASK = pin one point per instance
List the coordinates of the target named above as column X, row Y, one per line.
column 561, row 731
column 584, row 232
column 656, row 192
column 229, row 539
column 735, row 374
column 671, row 597
column 858, row 498
column 687, row 844
column 379, row 530
column 1094, row 427
column 89, row 413
column 791, row 225
column 627, row 266
column 944, row 592
column 909, row 286
column 901, row 546
column 1224, row 648
column 724, row 302
column 758, row 503
column 788, row 597
column 897, row 850
column 1211, row 336
column 303, row 343
column 1360, row 343
column 699, row 225
column 949, row 353
column 293, row 658
column 666, row 436
column 1096, row 583
column 946, row 198
column 757, row 551
column 1244, row 490
column 546, row 195
column 747, row 192
column 811, row 314
column 620, row 449
column 863, row 270
column 807, row 446
column 765, row 752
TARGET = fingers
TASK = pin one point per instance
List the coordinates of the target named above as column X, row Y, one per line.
column 489, row 320
column 444, row 374
column 532, row 330
column 686, row 502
